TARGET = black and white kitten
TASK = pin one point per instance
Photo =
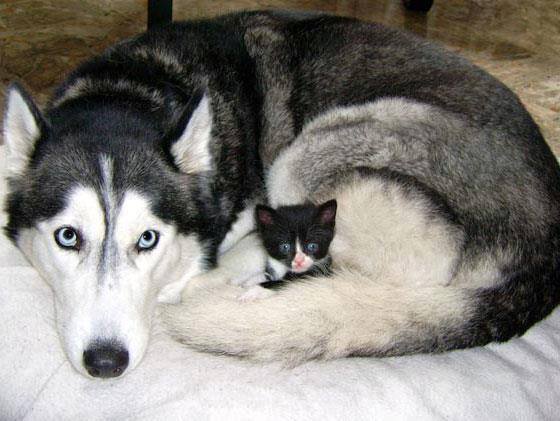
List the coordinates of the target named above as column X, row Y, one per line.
column 296, row 238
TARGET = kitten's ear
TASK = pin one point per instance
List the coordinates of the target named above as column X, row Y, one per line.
column 327, row 212
column 264, row 215
column 23, row 126
column 191, row 146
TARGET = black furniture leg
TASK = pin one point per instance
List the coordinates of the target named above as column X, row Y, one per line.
column 418, row 5
column 160, row 13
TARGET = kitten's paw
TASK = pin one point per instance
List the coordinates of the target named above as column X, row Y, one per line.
column 255, row 293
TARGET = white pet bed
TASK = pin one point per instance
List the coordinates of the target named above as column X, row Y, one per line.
column 517, row 380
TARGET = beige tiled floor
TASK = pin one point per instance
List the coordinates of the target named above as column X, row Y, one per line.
column 517, row 41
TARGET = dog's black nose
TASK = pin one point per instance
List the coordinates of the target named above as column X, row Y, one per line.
column 105, row 360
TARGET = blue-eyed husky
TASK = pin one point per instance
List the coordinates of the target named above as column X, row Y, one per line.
column 143, row 173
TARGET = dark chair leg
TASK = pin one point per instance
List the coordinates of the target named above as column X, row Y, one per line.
column 160, row 13
column 418, row 5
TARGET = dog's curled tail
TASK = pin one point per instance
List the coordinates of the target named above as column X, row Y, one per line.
column 348, row 314
column 369, row 311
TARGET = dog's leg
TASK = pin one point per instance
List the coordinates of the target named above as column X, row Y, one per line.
column 242, row 265
column 244, row 224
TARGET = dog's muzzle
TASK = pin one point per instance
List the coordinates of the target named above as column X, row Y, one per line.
column 105, row 359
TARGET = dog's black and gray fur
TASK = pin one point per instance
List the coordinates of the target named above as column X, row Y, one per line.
column 307, row 107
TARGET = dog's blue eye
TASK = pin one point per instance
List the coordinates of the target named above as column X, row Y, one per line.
column 285, row 248
column 67, row 238
column 312, row 247
column 148, row 240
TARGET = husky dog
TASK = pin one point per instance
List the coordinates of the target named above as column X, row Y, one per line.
column 143, row 173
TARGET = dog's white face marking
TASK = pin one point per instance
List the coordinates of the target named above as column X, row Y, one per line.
column 106, row 289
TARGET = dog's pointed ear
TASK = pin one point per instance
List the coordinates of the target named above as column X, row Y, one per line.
column 327, row 212
column 23, row 126
column 191, row 149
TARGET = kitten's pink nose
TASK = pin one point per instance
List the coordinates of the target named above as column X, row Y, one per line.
column 299, row 259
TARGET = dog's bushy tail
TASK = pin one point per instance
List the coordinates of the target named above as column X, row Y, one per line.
column 529, row 294
column 347, row 314
column 353, row 315
column 373, row 311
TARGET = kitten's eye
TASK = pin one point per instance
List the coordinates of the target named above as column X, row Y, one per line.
column 312, row 247
column 67, row 238
column 148, row 240
column 285, row 248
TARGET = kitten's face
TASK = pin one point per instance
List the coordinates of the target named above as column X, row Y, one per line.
column 298, row 236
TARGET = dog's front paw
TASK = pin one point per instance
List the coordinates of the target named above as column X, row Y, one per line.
column 206, row 280
column 254, row 280
column 255, row 293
